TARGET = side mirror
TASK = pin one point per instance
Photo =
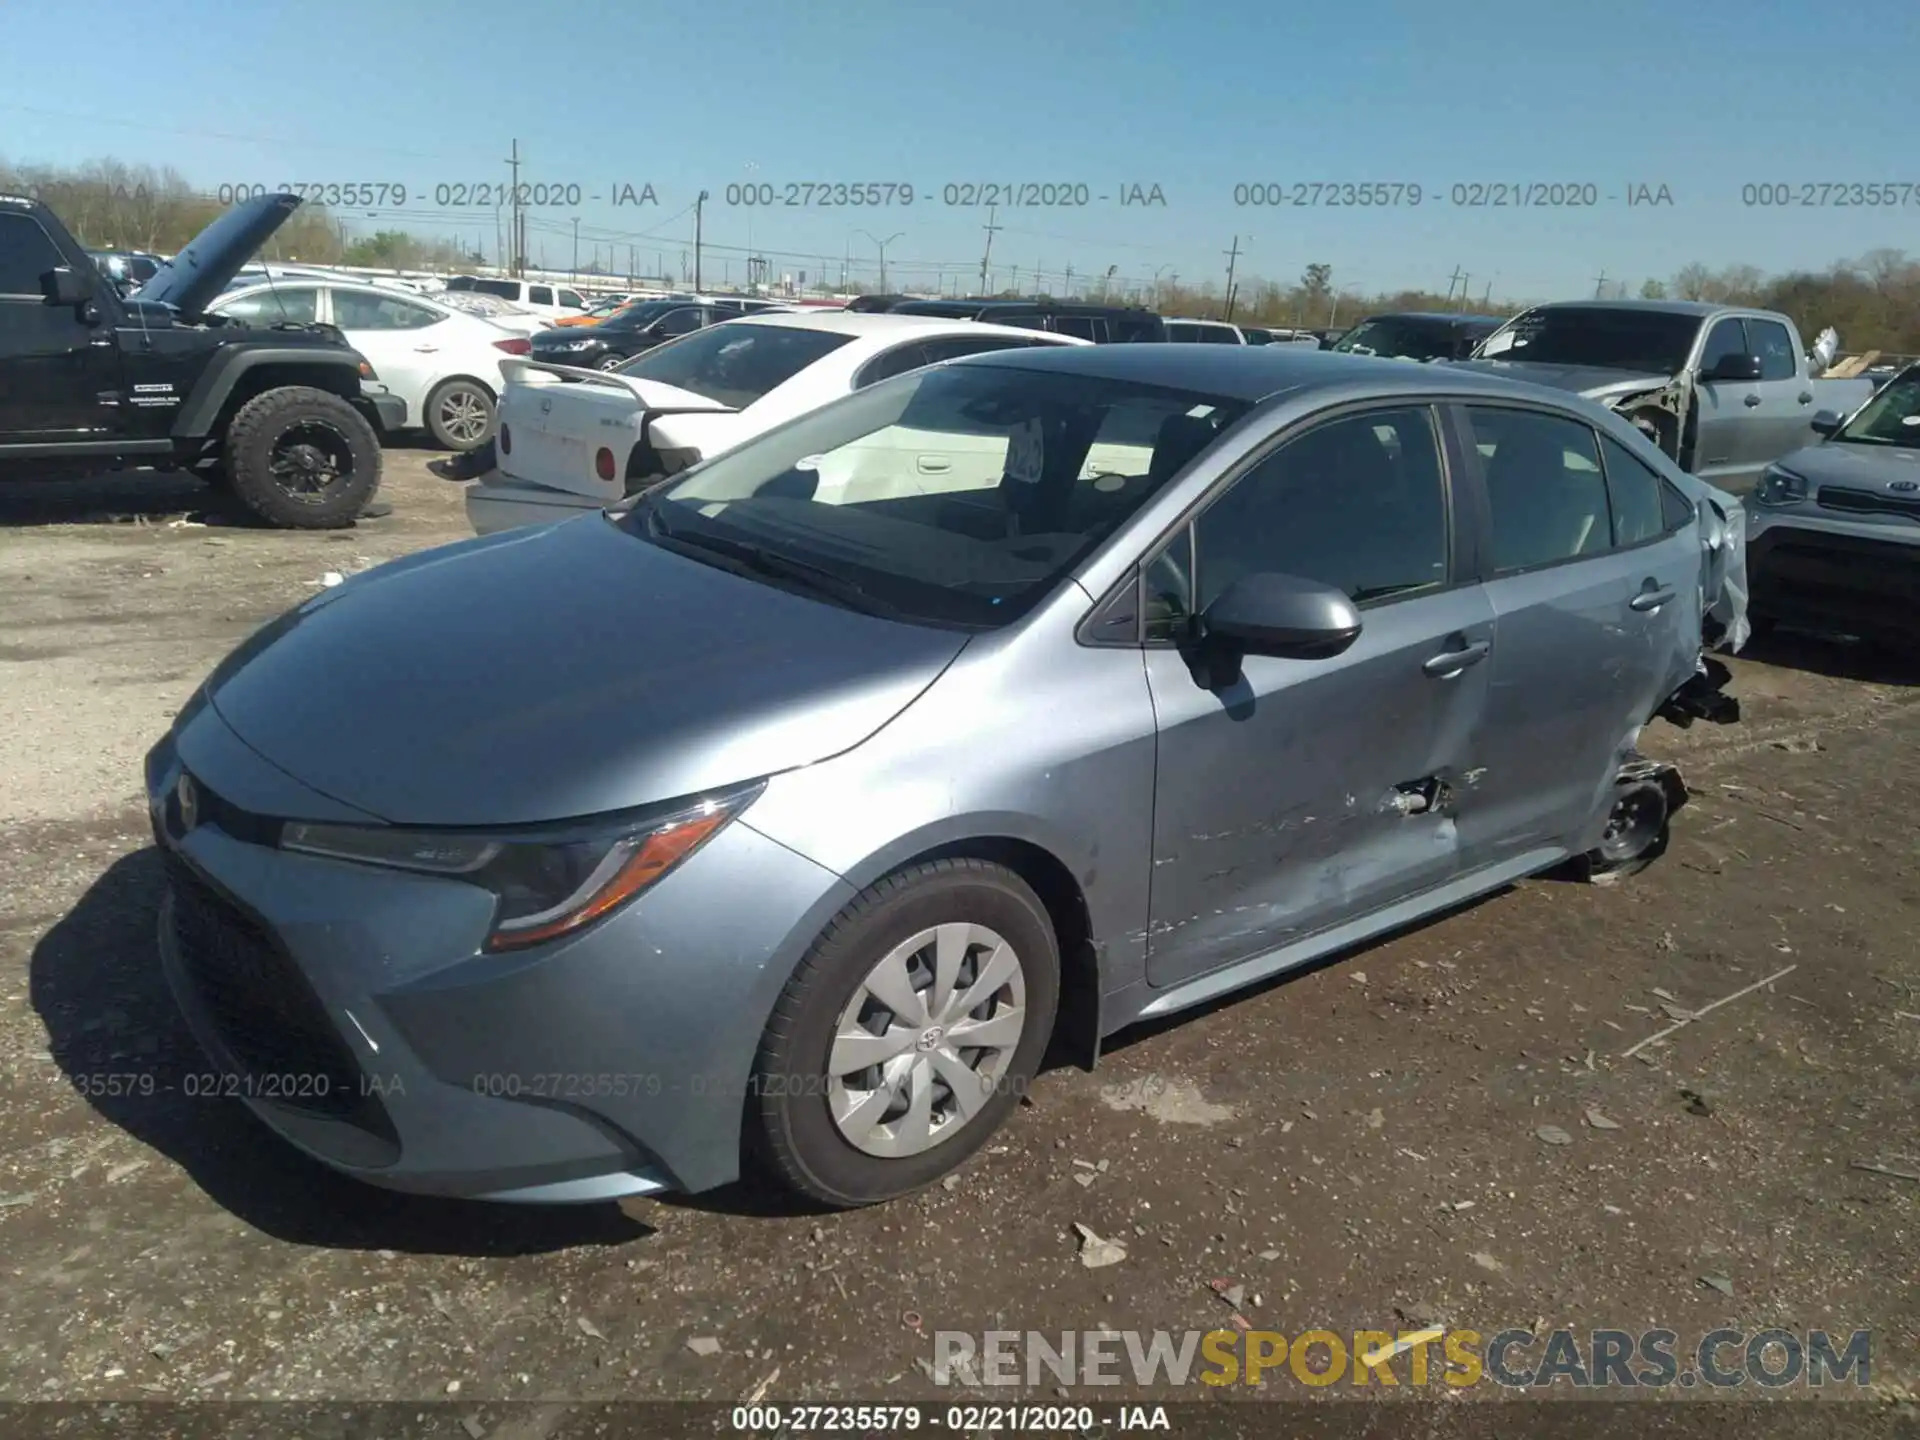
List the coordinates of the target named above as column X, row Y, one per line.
column 1282, row 616
column 65, row 286
column 1735, row 369
column 1826, row 422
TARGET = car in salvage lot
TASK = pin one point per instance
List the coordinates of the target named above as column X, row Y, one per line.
column 572, row 440
column 443, row 362
column 1834, row 530
column 818, row 811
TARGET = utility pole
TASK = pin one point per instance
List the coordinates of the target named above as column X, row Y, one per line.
column 987, row 255
column 1453, row 283
column 1464, row 278
column 1600, row 286
column 1233, row 259
column 1486, row 300
column 576, row 250
column 519, row 222
column 1067, row 293
column 699, row 215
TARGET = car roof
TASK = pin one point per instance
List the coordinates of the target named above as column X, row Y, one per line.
column 1252, row 373
column 886, row 325
column 1451, row 317
column 1198, row 320
column 1658, row 307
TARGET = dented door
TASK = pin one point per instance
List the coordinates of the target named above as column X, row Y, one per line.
column 1282, row 801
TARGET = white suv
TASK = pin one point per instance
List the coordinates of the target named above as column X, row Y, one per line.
column 555, row 302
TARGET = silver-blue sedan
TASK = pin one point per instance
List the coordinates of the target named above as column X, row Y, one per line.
column 789, row 807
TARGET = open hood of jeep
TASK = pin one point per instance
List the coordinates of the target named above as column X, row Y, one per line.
column 213, row 257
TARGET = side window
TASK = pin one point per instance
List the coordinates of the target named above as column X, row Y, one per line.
column 1545, row 490
column 1676, row 507
column 1181, row 333
column 1726, row 338
column 26, row 253
column 276, row 307
column 572, row 297
column 1083, row 326
column 683, row 321
column 1357, row 503
column 357, row 310
column 890, row 363
column 1770, row 341
column 1027, row 321
column 1640, row 496
column 540, row 294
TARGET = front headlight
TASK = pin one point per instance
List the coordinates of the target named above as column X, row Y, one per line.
column 567, row 345
column 549, row 881
column 1779, row 486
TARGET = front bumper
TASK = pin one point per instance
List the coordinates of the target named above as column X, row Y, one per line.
column 1859, row 577
column 364, row 1025
column 389, row 410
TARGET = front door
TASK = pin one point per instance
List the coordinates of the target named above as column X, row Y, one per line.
column 59, row 366
column 1783, row 420
column 1596, row 620
column 402, row 339
column 1304, row 795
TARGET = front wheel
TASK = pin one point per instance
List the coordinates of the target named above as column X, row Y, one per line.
column 610, row 362
column 302, row 459
column 907, row 1034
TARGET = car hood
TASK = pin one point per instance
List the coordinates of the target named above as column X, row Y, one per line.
column 561, row 671
column 1593, row 381
column 212, row 258
column 1863, row 467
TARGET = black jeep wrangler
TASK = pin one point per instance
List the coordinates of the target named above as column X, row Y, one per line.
column 92, row 381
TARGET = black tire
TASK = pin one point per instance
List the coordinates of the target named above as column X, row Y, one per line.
column 791, row 1131
column 326, row 454
column 473, row 401
column 610, row 362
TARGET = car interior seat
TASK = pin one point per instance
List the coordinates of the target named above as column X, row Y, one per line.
column 1542, row 509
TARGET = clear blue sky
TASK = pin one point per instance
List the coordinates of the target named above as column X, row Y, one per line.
column 1700, row 98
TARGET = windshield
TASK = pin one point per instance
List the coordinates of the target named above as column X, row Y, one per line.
column 642, row 313
column 1652, row 342
column 734, row 363
column 960, row 494
column 1891, row 417
column 1400, row 338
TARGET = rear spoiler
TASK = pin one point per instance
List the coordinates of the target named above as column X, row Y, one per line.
column 514, row 370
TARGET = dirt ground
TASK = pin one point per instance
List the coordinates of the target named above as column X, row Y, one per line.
column 1358, row 1147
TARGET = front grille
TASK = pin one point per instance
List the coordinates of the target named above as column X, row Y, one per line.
column 1850, row 501
column 266, row 1014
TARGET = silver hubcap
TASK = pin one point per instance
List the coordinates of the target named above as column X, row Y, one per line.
column 926, row 1040
column 463, row 415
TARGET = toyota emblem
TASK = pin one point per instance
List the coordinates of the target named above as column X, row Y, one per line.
column 187, row 795
column 1905, row 487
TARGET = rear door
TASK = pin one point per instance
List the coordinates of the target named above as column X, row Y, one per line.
column 1595, row 597
column 1276, row 811
column 1781, row 422
column 400, row 338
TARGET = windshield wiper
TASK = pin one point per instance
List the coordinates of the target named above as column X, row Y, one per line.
column 773, row 563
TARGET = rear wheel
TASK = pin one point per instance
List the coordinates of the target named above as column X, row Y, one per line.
column 302, row 459
column 610, row 362
column 460, row 414
column 907, row 1034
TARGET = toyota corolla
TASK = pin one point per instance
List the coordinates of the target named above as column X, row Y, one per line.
column 786, row 809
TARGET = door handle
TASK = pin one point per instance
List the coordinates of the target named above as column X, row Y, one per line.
column 1751, row 401
column 426, row 349
column 930, row 465
column 1651, row 599
column 1449, row 663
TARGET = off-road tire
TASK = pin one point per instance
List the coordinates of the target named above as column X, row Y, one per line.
column 436, row 423
column 791, row 1135
column 256, row 429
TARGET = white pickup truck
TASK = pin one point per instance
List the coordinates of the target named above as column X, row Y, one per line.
column 1724, row 390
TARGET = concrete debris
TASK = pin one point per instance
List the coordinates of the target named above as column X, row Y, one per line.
column 1601, row 1122
column 1376, row 1118
column 1487, row 1262
column 1235, row 1295
column 587, row 1327
column 1095, row 1252
column 704, row 1346
column 759, row 1392
column 1717, row 1282
column 471, row 1424
column 1553, row 1135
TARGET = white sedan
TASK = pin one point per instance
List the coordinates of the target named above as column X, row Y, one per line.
column 575, row 440
column 445, row 363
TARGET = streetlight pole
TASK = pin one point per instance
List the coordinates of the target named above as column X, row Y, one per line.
column 1334, row 309
column 882, row 244
column 699, row 212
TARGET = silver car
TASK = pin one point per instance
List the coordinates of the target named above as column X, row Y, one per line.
column 1834, row 537
column 789, row 807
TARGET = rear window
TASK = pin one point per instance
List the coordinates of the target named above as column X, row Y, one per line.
column 504, row 289
column 735, row 363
